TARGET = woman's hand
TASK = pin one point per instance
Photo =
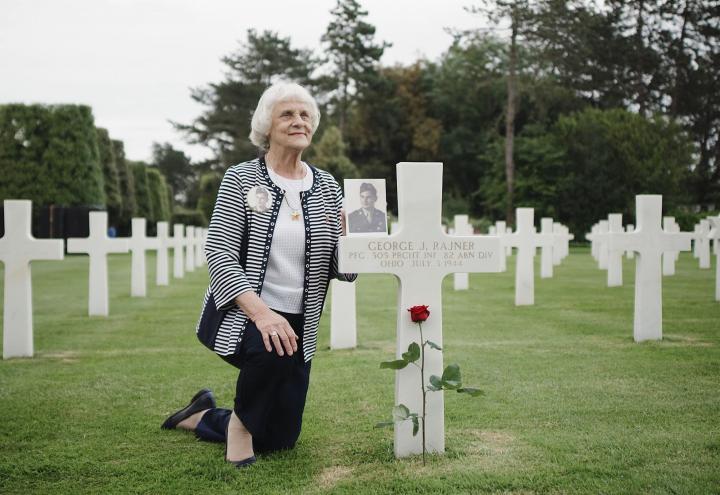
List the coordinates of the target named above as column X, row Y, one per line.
column 277, row 332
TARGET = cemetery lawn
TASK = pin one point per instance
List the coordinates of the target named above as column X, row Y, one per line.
column 571, row 405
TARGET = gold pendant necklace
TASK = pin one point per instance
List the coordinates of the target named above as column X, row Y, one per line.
column 294, row 212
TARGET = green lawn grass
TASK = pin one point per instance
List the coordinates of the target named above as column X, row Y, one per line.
column 572, row 405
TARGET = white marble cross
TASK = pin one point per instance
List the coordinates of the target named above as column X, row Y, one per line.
column 98, row 245
column 18, row 248
column 601, row 239
column 461, row 281
column 715, row 235
column 594, row 244
column 343, row 315
column 614, row 257
column 703, row 243
column 696, row 241
column 139, row 243
column 161, row 263
column 419, row 255
column 199, row 258
column 629, row 254
column 526, row 240
column 668, row 257
column 561, row 246
column 178, row 243
column 649, row 242
column 547, row 253
column 189, row 248
column 501, row 232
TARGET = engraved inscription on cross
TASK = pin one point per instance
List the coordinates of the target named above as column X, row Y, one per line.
column 420, row 255
column 17, row 249
column 650, row 242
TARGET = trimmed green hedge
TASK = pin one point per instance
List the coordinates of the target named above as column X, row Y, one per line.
column 189, row 217
column 142, row 191
column 113, row 201
column 158, row 194
column 49, row 154
column 209, row 185
column 127, row 186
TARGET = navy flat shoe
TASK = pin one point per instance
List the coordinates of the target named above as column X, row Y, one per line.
column 202, row 400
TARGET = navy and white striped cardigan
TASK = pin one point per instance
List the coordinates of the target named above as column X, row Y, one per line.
column 232, row 217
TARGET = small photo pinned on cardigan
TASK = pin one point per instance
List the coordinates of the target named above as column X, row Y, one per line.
column 259, row 199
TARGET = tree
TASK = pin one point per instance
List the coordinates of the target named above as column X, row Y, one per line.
column 651, row 57
column 49, row 154
column 225, row 126
column 176, row 167
column 158, row 195
column 330, row 155
column 113, row 201
column 517, row 14
column 127, row 186
column 142, row 190
column 353, row 55
column 590, row 163
column 209, row 185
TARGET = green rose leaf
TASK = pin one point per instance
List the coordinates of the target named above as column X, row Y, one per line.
column 412, row 354
column 451, row 377
column 433, row 345
column 400, row 412
column 384, row 424
column 397, row 364
column 436, row 382
column 416, row 425
column 472, row 392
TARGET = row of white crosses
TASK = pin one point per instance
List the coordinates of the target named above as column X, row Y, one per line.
column 419, row 253
column 18, row 248
column 657, row 242
column 701, row 242
column 714, row 235
column 552, row 253
column 554, row 240
column 612, row 260
column 411, row 253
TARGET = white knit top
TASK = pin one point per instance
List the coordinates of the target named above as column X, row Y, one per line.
column 282, row 289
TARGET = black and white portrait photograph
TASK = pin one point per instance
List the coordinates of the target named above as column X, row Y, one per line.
column 259, row 199
column 366, row 206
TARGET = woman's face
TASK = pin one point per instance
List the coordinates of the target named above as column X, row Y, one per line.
column 291, row 125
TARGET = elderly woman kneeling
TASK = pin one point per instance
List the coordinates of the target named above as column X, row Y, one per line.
column 271, row 251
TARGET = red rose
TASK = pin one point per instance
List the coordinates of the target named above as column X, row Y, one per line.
column 419, row 313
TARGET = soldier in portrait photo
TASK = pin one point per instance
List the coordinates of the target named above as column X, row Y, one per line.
column 259, row 199
column 367, row 218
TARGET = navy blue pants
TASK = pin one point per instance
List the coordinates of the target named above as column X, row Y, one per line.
column 270, row 393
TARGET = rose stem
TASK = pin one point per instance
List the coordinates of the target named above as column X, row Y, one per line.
column 422, row 385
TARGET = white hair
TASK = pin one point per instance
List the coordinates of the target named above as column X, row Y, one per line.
column 262, row 118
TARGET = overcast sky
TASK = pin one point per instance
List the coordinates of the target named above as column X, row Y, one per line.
column 133, row 61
